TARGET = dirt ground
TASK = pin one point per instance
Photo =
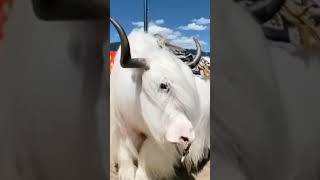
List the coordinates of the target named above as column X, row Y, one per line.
column 204, row 175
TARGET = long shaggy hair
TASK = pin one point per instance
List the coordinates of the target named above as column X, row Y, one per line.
column 187, row 95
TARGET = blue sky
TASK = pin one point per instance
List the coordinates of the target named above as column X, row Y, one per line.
column 178, row 20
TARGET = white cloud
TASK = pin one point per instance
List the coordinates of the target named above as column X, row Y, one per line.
column 197, row 24
column 201, row 21
column 194, row 27
column 175, row 37
column 159, row 21
column 138, row 23
column 154, row 28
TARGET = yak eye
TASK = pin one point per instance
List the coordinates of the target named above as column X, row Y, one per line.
column 164, row 86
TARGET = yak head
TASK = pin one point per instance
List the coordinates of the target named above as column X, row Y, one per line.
column 167, row 95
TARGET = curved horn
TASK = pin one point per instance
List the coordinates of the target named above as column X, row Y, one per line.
column 264, row 10
column 197, row 58
column 125, row 60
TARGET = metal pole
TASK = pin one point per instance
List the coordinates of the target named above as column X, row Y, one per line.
column 145, row 15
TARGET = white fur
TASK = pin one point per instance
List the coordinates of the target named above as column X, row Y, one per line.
column 138, row 107
column 199, row 147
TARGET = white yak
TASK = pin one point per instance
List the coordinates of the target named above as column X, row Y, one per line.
column 156, row 111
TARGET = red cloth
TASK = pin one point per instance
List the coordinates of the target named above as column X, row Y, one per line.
column 112, row 56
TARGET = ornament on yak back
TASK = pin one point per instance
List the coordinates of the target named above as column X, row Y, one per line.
column 5, row 8
column 202, row 69
column 304, row 22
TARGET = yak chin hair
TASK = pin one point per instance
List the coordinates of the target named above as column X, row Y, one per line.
column 199, row 148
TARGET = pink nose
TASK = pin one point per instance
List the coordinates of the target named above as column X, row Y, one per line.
column 181, row 132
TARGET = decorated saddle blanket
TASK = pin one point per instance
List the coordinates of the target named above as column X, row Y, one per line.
column 202, row 69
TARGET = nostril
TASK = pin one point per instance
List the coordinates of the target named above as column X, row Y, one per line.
column 185, row 139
